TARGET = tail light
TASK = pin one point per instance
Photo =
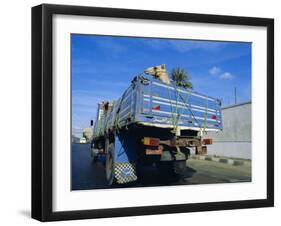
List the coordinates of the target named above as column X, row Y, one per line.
column 156, row 107
column 214, row 117
column 151, row 141
column 207, row 141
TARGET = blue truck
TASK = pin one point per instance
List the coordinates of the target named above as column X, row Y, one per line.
column 153, row 123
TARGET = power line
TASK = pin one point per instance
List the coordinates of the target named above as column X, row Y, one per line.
column 235, row 95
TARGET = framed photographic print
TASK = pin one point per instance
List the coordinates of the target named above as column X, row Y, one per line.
column 146, row 112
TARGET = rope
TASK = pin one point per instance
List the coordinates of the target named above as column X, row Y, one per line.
column 176, row 118
column 116, row 123
column 206, row 116
column 188, row 107
column 175, row 115
column 100, row 124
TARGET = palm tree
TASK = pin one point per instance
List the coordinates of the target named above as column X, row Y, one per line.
column 181, row 77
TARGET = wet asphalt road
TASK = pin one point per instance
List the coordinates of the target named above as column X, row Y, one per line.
column 87, row 174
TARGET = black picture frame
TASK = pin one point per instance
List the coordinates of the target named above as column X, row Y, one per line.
column 42, row 111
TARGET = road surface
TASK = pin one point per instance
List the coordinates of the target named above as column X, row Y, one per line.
column 87, row 174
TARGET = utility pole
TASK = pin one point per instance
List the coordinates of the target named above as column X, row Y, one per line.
column 235, row 95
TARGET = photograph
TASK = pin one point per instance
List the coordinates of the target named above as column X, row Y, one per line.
column 149, row 112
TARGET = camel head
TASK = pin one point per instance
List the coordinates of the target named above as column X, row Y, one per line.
column 159, row 72
column 155, row 69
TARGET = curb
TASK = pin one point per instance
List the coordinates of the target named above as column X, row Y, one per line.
column 225, row 160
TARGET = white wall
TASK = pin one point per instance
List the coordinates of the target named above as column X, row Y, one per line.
column 235, row 138
column 15, row 112
column 237, row 124
column 231, row 149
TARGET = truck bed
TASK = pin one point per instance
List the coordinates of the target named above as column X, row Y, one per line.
column 150, row 102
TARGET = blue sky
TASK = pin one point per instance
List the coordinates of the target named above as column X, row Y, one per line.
column 103, row 66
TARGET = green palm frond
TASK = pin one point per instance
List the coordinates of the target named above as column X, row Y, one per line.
column 181, row 77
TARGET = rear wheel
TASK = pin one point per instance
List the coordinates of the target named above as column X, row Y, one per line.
column 94, row 154
column 170, row 171
column 180, row 168
column 110, row 162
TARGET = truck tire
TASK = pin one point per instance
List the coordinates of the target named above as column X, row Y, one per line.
column 109, row 162
column 94, row 155
column 180, row 168
column 171, row 171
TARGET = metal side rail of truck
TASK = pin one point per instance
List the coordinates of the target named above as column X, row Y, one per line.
column 153, row 123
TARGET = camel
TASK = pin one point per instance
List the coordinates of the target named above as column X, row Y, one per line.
column 159, row 72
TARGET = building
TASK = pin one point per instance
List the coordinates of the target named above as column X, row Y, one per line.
column 75, row 139
column 235, row 139
column 88, row 133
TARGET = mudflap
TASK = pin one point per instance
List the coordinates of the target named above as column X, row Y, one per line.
column 125, row 172
column 126, row 146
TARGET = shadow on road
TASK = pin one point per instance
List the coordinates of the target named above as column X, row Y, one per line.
column 150, row 176
column 87, row 174
column 189, row 172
